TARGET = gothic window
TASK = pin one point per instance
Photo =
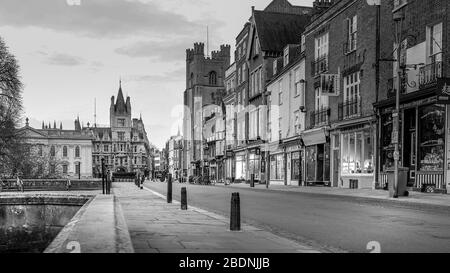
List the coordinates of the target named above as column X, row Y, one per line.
column 212, row 78
column 77, row 151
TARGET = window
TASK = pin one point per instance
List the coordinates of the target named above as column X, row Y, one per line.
column 121, row 136
column 280, row 120
column 351, row 95
column 321, row 101
column 106, row 148
column 52, row 168
column 286, row 56
column 77, row 151
column 434, row 43
column 52, row 151
column 256, row 46
column 65, row 167
column 256, row 82
column 298, row 84
column 275, row 67
column 431, row 137
column 212, row 78
column 65, row 151
column 240, row 75
column 321, row 46
column 244, row 72
column 297, row 122
column 357, row 152
column 77, row 167
column 121, row 122
column 253, row 119
column 280, row 92
column 352, row 29
column 40, row 152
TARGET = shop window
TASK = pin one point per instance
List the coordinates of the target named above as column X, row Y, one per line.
column 357, row 152
column 241, row 167
column 254, row 165
column 432, row 135
column 295, row 166
column 277, row 167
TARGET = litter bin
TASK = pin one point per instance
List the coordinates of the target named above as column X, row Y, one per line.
column 402, row 181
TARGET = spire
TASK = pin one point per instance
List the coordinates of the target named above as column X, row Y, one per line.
column 27, row 122
column 60, row 126
column 54, row 124
column 43, row 125
column 120, row 102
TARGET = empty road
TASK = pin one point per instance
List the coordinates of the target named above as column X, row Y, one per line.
column 334, row 223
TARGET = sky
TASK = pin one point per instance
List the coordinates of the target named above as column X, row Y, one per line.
column 72, row 54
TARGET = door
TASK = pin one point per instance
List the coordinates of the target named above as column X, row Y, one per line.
column 410, row 150
column 320, row 163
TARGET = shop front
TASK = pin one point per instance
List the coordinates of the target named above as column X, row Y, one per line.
column 317, row 157
column 353, row 156
column 229, row 167
column 254, row 164
column 241, row 167
column 277, row 168
column 294, row 162
column 422, row 142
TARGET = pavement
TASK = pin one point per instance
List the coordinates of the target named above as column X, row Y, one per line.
column 413, row 198
column 158, row 227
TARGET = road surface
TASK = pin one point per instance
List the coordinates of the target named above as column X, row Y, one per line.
column 334, row 223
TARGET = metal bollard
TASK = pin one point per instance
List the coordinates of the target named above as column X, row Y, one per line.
column 183, row 198
column 169, row 189
column 252, row 180
column 235, row 215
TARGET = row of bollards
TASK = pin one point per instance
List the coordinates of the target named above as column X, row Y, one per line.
column 235, row 215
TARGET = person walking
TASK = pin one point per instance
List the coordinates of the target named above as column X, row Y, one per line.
column 19, row 183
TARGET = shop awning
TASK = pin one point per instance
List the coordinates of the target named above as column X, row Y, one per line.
column 314, row 136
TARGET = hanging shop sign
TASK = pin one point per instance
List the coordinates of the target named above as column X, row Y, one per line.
column 444, row 91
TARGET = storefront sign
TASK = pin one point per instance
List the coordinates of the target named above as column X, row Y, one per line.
column 314, row 137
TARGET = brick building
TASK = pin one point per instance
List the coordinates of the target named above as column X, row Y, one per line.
column 423, row 79
column 271, row 29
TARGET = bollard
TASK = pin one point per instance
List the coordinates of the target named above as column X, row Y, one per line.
column 252, row 180
column 235, row 215
column 183, row 198
column 169, row 189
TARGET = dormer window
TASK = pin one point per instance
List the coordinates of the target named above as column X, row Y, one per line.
column 286, row 56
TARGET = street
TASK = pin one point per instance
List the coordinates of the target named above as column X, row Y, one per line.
column 335, row 223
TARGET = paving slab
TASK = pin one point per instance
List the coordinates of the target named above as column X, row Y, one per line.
column 158, row 227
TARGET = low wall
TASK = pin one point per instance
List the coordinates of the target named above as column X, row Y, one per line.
column 52, row 185
column 30, row 223
column 98, row 227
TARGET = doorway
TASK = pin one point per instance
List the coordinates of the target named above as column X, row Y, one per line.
column 410, row 144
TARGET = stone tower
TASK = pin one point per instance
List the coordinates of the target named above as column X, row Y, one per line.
column 120, row 117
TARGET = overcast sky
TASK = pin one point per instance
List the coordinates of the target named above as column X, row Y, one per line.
column 71, row 55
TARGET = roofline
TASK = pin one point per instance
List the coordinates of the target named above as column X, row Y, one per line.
column 294, row 62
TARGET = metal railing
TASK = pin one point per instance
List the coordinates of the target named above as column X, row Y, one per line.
column 430, row 73
column 320, row 65
column 350, row 109
column 320, row 117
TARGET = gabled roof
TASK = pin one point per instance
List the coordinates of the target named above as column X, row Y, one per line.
column 276, row 30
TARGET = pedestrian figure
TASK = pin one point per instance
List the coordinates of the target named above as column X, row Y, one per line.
column 68, row 184
column 19, row 184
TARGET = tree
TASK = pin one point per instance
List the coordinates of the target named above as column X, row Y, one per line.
column 10, row 109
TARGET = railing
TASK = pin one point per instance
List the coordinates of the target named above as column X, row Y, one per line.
column 430, row 73
column 320, row 65
column 350, row 109
column 320, row 117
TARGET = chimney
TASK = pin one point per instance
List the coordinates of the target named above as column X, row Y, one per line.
column 319, row 6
